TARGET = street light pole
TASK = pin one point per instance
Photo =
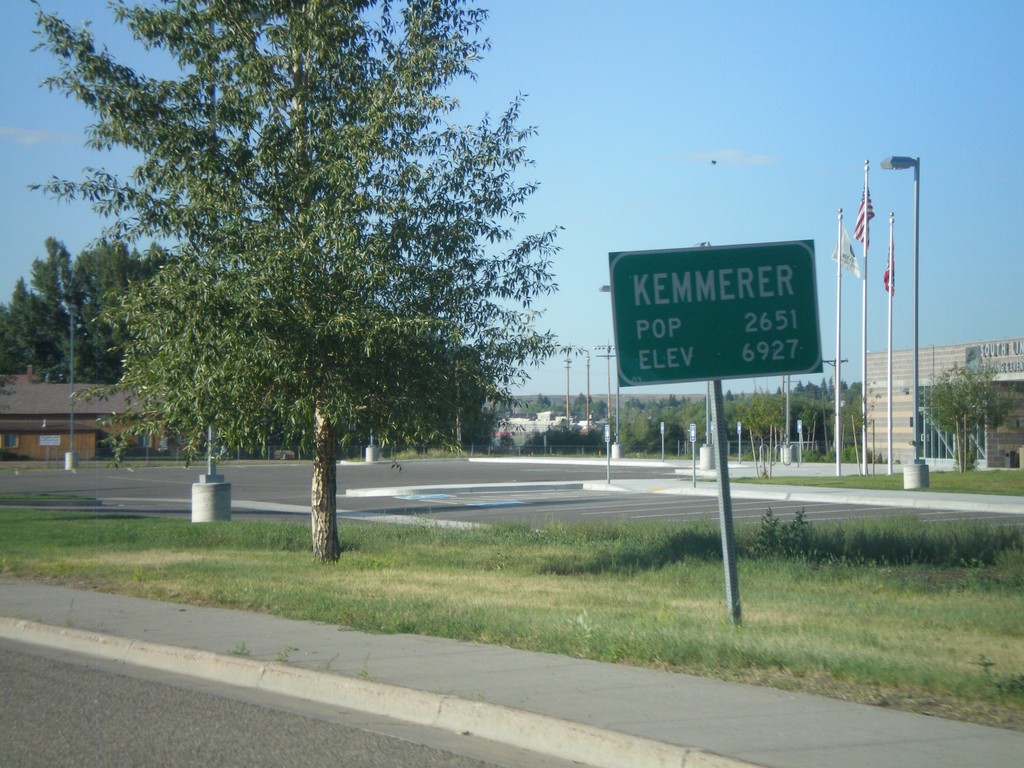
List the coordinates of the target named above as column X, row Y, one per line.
column 568, row 421
column 608, row 417
column 588, row 390
column 70, row 459
column 918, row 478
column 618, row 446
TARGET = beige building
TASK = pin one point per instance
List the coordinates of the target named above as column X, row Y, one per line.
column 996, row 448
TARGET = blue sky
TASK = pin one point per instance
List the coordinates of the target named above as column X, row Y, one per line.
column 633, row 102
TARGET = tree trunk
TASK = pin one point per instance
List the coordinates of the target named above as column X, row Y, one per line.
column 856, row 449
column 326, row 547
column 964, row 441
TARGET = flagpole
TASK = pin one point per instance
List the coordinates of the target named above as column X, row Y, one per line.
column 890, row 273
column 864, row 336
column 839, row 349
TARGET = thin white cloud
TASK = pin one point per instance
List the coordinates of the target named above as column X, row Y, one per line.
column 29, row 138
column 731, row 157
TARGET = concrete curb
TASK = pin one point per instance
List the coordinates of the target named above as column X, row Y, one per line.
column 963, row 503
column 30, row 503
column 412, row 490
column 552, row 736
column 579, row 461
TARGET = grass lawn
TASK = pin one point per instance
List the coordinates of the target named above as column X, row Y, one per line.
column 896, row 613
column 991, row 482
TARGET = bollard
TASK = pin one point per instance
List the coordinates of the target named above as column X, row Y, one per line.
column 211, row 499
column 707, row 457
column 915, row 476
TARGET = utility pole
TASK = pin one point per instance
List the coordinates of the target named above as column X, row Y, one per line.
column 71, row 458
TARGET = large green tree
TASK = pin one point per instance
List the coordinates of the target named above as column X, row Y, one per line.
column 346, row 252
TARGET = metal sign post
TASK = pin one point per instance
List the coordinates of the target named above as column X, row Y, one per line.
column 732, row 587
column 608, row 451
column 693, row 452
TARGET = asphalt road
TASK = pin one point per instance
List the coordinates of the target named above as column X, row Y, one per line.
column 280, row 492
column 289, row 482
column 59, row 709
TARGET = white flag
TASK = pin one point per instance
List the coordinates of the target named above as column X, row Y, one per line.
column 844, row 251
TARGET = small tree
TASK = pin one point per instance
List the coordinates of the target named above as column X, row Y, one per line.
column 762, row 419
column 960, row 401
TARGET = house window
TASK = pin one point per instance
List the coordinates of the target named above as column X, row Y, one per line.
column 10, row 441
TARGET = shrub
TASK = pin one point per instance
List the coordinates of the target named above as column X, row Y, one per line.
column 889, row 541
column 778, row 539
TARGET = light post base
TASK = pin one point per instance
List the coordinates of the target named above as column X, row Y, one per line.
column 915, row 476
column 70, row 461
column 707, row 457
column 211, row 501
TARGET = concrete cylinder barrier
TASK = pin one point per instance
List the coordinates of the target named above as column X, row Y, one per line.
column 707, row 457
column 210, row 502
column 915, row 476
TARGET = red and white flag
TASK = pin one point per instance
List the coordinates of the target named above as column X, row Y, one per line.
column 865, row 214
column 890, row 271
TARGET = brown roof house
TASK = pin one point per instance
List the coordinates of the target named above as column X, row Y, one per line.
column 35, row 420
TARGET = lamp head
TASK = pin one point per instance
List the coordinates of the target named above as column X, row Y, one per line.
column 899, row 163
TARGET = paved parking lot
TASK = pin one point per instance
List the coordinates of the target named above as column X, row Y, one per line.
column 461, row 492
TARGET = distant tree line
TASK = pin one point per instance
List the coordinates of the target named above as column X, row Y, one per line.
column 37, row 323
column 762, row 415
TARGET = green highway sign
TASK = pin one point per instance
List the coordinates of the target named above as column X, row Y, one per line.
column 720, row 312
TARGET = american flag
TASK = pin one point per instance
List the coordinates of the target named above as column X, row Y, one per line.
column 865, row 214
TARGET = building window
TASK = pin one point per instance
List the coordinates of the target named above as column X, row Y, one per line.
column 10, row 441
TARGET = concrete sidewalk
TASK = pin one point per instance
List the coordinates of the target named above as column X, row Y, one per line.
column 958, row 502
column 598, row 714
